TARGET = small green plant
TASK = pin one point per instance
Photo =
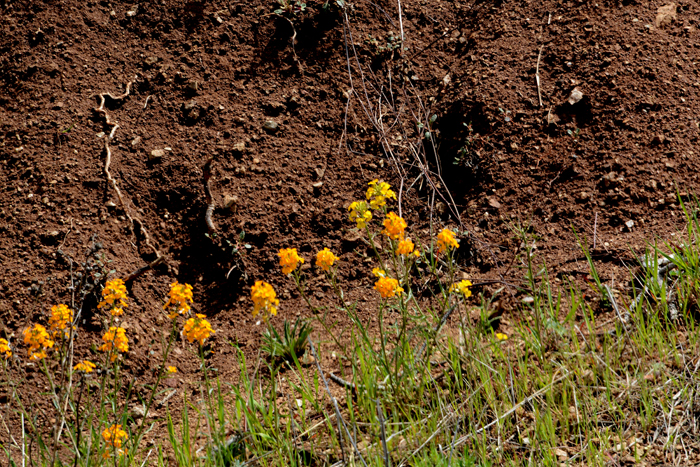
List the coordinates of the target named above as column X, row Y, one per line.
column 290, row 7
column 574, row 133
column 290, row 344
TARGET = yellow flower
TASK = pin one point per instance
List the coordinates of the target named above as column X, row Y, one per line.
column 114, row 295
column 462, row 287
column 265, row 299
column 405, row 247
column 59, row 320
column 172, row 370
column 360, row 213
column 379, row 272
column 387, row 287
column 394, row 226
column 378, row 192
column 85, row 366
column 197, row 329
column 325, row 259
column 446, row 241
column 114, row 437
column 180, row 294
column 38, row 341
column 289, row 259
column 113, row 339
column 5, row 348
column 501, row 337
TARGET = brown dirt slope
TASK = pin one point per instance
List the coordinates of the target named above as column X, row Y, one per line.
column 292, row 145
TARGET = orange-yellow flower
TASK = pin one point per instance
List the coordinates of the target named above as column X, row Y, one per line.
column 114, row 437
column 38, row 341
column 446, row 241
column 378, row 192
column 378, row 272
column 180, row 295
column 325, row 259
column 197, row 329
column 85, row 366
column 387, row 287
column 501, row 337
column 114, row 295
column 115, row 339
column 394, row 226
column 59, row 320
column 462, row 287
column 172, row 370
column 360, row 213
column 405, row 247
column 5, row 348
column 289, row 259
column 265, row 299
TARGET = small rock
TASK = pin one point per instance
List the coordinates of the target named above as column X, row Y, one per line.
column 138, row 411
column 189, row 105
column 239, row 148
column 110, row 204
column 230, row 202
column 193, row 85
column 270, row 126
column 136, row 141
column 156, row 154
column 514, row 146
column 629, row 224
column 575, row 96
column 256, row 161
column 194, row 114
column 583, row 196
column 133, row 11
column 54, row 233
column 320, row 172
column 150, row 61
column 528, row 300
column 665, row 15
column 658, row 139
column 493, row 202
column 317, row 185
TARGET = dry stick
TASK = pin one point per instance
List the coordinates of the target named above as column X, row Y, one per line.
column 108, row 160
column 401, row 24
column 211, row 204
column 537, row 75
column 380, row 415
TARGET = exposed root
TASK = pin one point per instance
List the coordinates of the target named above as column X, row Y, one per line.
column 134, row 221
column 211, row 204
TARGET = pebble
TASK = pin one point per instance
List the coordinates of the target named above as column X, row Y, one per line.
column 575, row 96
column 189, row 105
column 136, row 141
column 238, row 148
column 317, row 185
column 156, row 154
column 629, row 224
column 270, row 126
column 230, row 202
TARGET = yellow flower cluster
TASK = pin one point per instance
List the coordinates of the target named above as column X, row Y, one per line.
column 462, row 287
column 360, row 213
column 115, row 339
column 378, row 192
column 180, row 295
column 446, row 241
column 114, row 295
column 197, row 329
column 325, row 259
column 85, row 366
column 501, row 337
column 289, row 259
column 5, row 348
column 38, row 341
column 114, row 437
column 265, row 299
column 405, row 247
column 387, row 287
column 394, row 226
column 59, row 320
column 172, row 370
